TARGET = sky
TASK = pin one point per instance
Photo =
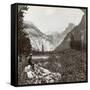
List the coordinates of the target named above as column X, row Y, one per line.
column 52, row 19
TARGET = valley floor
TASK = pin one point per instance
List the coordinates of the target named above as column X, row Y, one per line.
column 70, row 66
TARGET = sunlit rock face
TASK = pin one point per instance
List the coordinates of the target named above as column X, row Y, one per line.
column 49, row 42
column 38, row 39
column 41, row 75
column 79, row 37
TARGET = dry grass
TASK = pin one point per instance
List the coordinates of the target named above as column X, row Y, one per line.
column 71, row 64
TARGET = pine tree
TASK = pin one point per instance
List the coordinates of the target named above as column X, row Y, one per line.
column 24, row 46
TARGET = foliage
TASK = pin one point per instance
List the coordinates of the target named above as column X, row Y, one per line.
column 24, row 46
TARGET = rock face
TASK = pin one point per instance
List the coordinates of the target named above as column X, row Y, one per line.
column 39, row 75
column 57, row 38
column 39, row 39
column 76, row 39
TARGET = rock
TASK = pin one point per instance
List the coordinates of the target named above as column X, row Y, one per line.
column 41, row 75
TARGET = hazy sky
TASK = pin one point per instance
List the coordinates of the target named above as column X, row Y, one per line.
column 52, row 19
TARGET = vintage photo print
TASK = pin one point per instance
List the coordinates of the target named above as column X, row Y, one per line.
column 52, row 44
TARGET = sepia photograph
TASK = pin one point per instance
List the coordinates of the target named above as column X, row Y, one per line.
column 52, row 44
